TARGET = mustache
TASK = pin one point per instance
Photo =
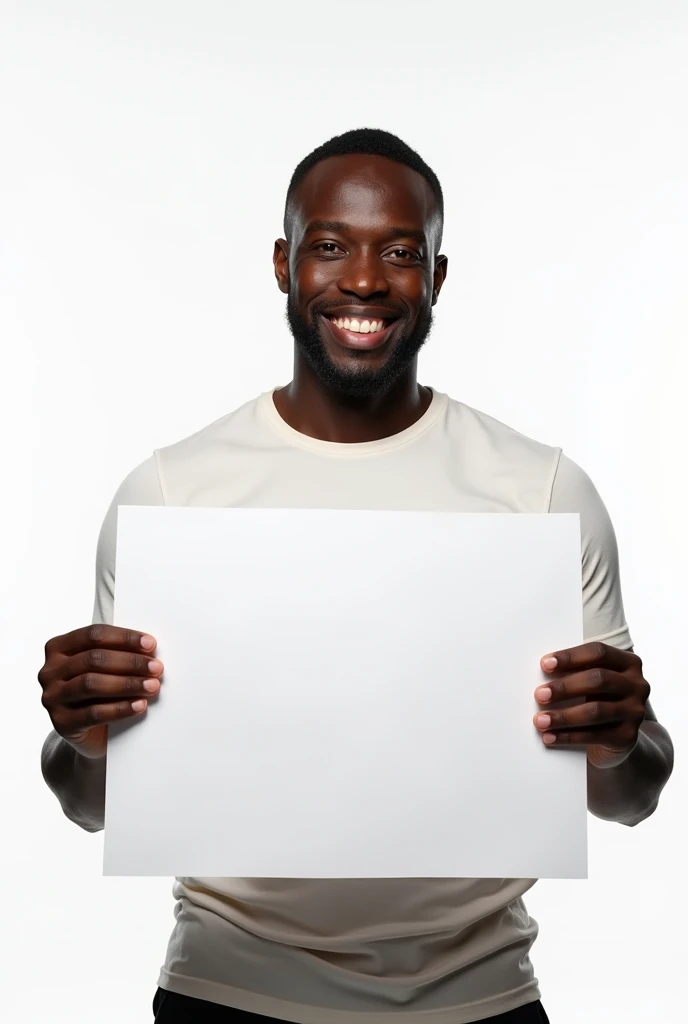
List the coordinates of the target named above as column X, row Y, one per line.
column 322, row 309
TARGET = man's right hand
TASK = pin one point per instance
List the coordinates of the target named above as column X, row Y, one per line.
column 94, row 676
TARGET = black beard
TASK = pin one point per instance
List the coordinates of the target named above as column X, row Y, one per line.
column 360, row 383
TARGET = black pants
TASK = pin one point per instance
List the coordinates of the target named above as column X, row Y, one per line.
column 170, row 1008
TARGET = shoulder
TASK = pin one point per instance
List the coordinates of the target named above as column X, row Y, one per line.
column 141, row 486
column 574, row 491
column 570, row 487
column 146, row 484
column 492, row 433
column 495, row 456
column 197, row 454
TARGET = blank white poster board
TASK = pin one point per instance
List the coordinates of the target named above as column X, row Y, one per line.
column 347, row 694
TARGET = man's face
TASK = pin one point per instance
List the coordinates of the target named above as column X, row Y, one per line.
column 361, row 271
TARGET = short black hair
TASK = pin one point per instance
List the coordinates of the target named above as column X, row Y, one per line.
column 372, row 141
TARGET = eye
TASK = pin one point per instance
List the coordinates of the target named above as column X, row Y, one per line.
column 328, row 248
column 405, row 255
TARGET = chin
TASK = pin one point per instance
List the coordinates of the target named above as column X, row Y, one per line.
column 352, row 380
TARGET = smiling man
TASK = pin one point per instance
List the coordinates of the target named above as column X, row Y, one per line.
column 360, row 335
column 362, row 270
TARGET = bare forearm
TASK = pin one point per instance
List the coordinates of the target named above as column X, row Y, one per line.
column 629, row 792
column 78, row 782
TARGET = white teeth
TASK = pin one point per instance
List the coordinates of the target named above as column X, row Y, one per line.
column 360, row 326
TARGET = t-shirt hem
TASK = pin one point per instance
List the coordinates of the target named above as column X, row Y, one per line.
column 297, row 1013
column 620, row 637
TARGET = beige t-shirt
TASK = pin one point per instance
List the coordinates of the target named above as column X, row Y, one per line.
column 413, row 950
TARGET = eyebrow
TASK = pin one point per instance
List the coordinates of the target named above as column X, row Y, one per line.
column 341, row 228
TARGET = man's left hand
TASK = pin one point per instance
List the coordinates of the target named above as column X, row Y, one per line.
column 616, row 693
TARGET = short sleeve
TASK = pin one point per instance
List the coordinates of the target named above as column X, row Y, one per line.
column 603, row 612
column 140, row 487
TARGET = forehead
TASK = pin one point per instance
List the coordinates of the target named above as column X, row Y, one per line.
column 363, row 190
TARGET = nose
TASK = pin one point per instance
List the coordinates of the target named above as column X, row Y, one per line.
column 363, row 275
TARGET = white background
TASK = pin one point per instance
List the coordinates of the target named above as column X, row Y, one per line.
column 146, row 149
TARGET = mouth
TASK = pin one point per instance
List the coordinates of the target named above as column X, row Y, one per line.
column 360, row 332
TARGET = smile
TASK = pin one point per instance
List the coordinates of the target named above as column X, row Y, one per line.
column 355, row 332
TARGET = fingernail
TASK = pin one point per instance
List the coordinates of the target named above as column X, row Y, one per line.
column 151, row 685
column 543, row 694
column 549, row 663
column 139, row 705
column 154, row 666
column 148, row 643
column 543, row 721
column 549, row 738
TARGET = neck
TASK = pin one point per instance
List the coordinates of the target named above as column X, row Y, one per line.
column 312, row 409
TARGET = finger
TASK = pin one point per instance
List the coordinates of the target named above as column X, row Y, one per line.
column 99, row 635
column 596, row 683
column 78, row 720
column 590, row 655
column 582, row 716
column 96, row 688
column 617, row 737
column 106, row 662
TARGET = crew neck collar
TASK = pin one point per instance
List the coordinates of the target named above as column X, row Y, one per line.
column 342, row 449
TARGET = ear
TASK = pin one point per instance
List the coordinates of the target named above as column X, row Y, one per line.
column 438, row 278
column 280, row 260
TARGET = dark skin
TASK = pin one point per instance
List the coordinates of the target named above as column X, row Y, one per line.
column 363, row 241
column 359, row 267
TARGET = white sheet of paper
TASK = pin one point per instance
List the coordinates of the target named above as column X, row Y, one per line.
column 346, row 694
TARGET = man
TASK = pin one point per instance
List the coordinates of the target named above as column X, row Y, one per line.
column 361, row 267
